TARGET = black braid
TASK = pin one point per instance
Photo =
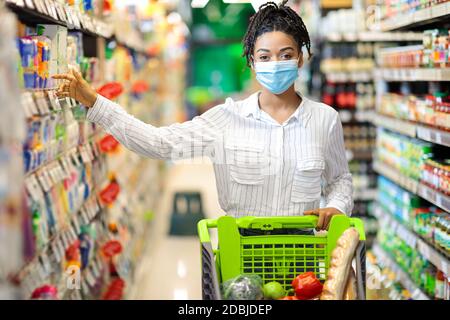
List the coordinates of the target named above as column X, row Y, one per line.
column 273, row 17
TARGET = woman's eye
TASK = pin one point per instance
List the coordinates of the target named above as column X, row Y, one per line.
column 286, row 57
column 263, row 58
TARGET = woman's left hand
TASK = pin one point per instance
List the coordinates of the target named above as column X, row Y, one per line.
column 325, row 215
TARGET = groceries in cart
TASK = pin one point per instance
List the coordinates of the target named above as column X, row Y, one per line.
column 243, row 287
column 340, row 283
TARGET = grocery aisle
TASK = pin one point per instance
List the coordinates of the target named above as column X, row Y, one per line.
column 171, row 267
column 83, row 218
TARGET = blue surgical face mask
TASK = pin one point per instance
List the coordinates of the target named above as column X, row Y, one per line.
column 276, row 76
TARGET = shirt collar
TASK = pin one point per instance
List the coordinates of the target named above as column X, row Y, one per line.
column 251, row 108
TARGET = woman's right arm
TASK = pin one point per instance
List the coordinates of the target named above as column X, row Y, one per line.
column 195, row 138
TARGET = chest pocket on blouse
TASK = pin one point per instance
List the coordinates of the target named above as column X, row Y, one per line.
column 246, row 161
column 306, row 186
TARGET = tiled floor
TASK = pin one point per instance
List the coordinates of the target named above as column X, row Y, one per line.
column 171, row 267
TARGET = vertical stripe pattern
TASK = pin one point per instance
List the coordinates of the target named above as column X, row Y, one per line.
column 262, row 168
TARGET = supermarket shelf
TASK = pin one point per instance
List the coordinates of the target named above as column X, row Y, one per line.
column 434, row 135
column 420, row 17
column 393, row 124
column 413, row 130
column 437, row 198
column 345, row 77
column 391, row 173
column 89, row 26
column 60, row 241
column 413, row 74
column 375, row 36
column 401, row 275
column 438, row 259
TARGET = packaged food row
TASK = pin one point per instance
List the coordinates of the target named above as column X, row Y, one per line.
column 436, row 174
column 405, row 154
column 432, row 109
column 426, row 220
column 433, row 53
column 424, row 274
column 391, row 9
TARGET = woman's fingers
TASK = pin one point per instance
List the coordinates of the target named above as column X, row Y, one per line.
column 321, row 222
column 65, row 76
column 319, row 213
column 77, row 75
column 62, row 94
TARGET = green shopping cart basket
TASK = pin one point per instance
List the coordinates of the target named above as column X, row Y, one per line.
column 274, row 257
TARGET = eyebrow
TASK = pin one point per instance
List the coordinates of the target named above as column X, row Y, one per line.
column 286, row 48
column 281, row 50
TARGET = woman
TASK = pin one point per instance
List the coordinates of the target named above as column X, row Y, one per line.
column 274, row 153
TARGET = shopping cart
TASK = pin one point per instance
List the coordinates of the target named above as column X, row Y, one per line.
column 274, row 257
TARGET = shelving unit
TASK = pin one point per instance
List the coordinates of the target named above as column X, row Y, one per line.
column 374, row 36
column 414, row 130
column 72, row 19
column 413, row 74
column 437, row 198
column 419, row 17
column 344, row 77
column 401, row 275
column 437, row 258
column 110, row 203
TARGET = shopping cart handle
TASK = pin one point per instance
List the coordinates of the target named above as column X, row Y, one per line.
column 203, row 227
column 270, row 223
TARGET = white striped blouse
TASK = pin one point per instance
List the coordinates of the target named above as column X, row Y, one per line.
column 262, row 168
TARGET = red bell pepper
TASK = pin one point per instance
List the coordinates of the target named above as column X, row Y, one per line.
column 307, row 286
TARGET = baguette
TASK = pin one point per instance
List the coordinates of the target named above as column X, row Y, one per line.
column 350, row 292
column 340, row 264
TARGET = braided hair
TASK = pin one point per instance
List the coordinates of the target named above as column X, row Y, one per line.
column 272, row 17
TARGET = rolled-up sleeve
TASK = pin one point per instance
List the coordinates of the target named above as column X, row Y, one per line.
column 195, row 138
column 338, row 187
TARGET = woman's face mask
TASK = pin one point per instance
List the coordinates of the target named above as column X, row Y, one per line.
column 276, row 76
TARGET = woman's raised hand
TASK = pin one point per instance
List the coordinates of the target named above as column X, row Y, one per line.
column 76, row 87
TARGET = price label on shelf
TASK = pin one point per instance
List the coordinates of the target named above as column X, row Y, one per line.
column 56, row 252
column 39, row 6
column 43, row 179
column 53, row 174
column 45, row 259
column 95, row 269
column 84, row 154
column 85, row 287
column 53, row 9
column 54, row 101
column 29, row 3
column 72, row 234
column 60, row 246
column 29, row 185
column 28, row 104
column 40, row 270
column 76, row 224
column 90, row 278
column 84, row 215
column 65, row 240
